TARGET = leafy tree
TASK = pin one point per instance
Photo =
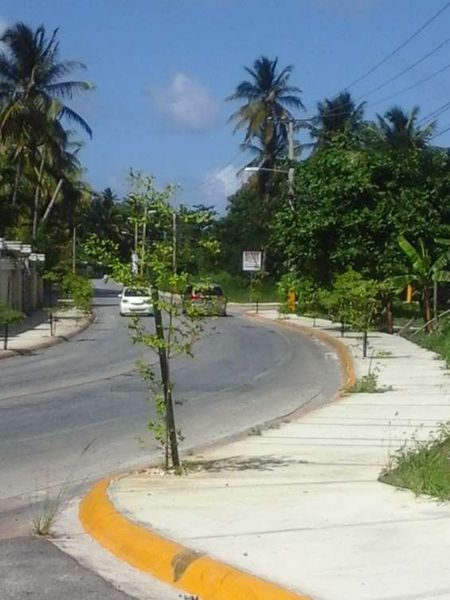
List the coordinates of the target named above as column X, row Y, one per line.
column 8, row 316
column 355, row 202
column 175, row 330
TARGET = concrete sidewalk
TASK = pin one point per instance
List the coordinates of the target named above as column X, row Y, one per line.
column 300, row 505
column 34, row 332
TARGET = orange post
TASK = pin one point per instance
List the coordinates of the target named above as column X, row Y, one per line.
column 291, row 301
column 409, row 293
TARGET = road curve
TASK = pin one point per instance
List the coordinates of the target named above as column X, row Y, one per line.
column 86, row 393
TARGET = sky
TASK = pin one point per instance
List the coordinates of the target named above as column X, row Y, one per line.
column 162, row 71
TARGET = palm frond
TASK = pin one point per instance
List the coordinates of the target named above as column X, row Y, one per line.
column 76, row 118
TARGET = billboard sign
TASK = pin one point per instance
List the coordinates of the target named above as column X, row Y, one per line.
column 252, row 260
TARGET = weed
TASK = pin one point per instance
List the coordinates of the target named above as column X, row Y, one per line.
column 42, row 522
column 43, row 519
column 423, row 468
column 367, row 384
column 255, row 431
column 383, row 354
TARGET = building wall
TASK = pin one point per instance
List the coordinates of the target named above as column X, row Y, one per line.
column 21, row 286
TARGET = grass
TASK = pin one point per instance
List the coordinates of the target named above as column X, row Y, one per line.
column 438, row 341
column 43, row 521
column 424, row 469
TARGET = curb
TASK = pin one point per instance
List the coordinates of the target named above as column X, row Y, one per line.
column 190, row 571
column 87, row 322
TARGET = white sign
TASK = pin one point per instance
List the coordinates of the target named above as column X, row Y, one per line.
column 251, row 260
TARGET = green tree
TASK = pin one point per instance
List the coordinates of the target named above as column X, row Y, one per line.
column 175, row 330
column 8, row 316
column 355, row 202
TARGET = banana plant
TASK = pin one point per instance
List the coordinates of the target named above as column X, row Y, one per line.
column 425, row 274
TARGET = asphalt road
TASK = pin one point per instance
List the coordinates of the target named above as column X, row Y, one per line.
column 78, row 411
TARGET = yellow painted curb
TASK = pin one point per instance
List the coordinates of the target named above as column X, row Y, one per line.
column 177, row 565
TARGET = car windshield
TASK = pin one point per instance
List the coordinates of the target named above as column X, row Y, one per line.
column 136, row 292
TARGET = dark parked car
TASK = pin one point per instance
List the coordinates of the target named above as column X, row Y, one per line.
column 207, row 298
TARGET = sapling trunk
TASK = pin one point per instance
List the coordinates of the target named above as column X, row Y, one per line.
column 167, row 384
column 5, row 338
column 365, row 344
column 389, row 316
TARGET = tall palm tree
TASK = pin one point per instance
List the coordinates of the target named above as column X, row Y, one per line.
column 32, row 109
column 335, row 115
column 31, row 75
column 401, row 130
column 268, row 99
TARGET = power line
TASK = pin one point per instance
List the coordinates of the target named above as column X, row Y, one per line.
column 435, row 113
column 447, row 128
column 406, row 70
column 410, row 87
column 401, row 46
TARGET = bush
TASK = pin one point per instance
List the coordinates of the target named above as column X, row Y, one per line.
column 74, row 287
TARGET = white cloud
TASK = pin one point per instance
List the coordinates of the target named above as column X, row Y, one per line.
column 3, row 26
column 185, row 104
column 219, row 185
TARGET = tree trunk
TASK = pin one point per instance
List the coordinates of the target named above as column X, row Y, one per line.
column 16, row 181
column 389, row 315
column 426, row 309
column 435, row 302
column 167, row 384
column 37, row 193
column 52, row 201
column 365, row 344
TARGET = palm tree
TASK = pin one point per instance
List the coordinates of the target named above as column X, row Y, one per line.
column 31, row 75
column 400, row 130
column 335, row 115
column 268, row 98
column 32, row 108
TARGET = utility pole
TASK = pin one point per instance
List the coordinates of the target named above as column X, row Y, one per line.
column 291, row 156
column 174, row 237
column 144, row 235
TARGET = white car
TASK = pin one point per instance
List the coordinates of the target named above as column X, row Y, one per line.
column 135, row 301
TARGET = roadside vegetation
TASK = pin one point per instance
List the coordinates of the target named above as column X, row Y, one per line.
column 424, row 468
